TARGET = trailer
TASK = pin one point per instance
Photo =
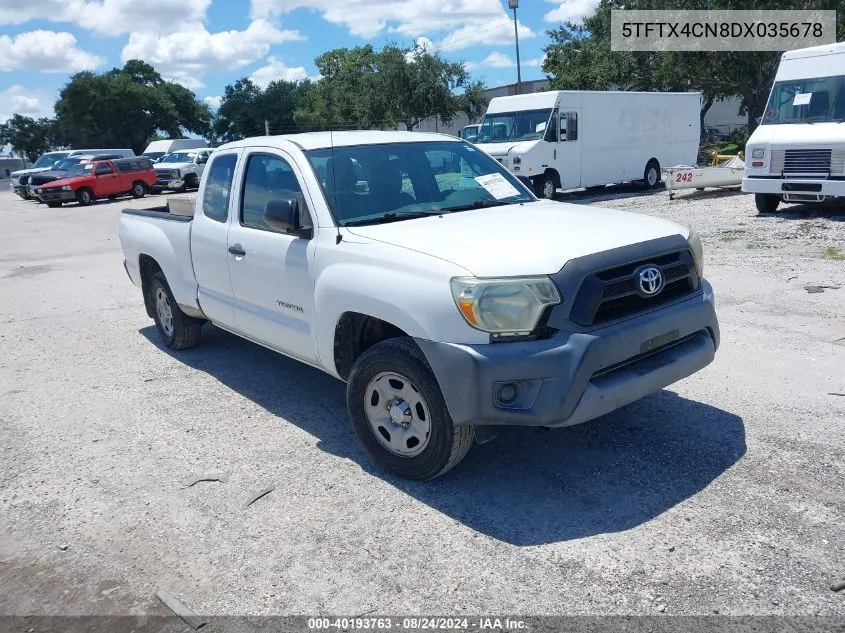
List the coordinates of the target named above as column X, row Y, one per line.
column 723, row 173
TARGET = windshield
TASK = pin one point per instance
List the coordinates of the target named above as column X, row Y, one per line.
column 394, row 181
column 471, row 133
column 80, row 170
column 67, row 163
column 806, row 101
column 179, row 157
column 527, row 125
column 48, row 160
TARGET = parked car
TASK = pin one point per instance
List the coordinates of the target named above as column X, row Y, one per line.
column 20, row 178
column 445, row 301
column 100, row 179
column 470, row 133
column 62, row 169
column 182, row 170
column 159, row 149
column 715, row 134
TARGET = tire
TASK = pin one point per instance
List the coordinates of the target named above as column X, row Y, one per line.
column 139, row 190
column 85, row 197
column 397, row 368
column 651, row 174
column 177, row 329
column 54, row 205
column 191, row 182
column 545, row 186
column 766, row 202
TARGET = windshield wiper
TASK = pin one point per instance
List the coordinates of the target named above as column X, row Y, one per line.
column 480, row 204
column 391, row 217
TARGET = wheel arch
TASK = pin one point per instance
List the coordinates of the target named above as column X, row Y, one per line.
column 354, row 334
column 148, row 267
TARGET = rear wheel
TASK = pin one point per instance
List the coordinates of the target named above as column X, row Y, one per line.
column 85, row 197
column 651, row 175
column 766, row 202
column 139, row 190
column 178, row 330
column 399, row 414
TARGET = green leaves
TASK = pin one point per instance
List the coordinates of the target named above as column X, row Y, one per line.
column 27, row 136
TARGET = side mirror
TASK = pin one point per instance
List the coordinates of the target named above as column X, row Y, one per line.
column 283, row 215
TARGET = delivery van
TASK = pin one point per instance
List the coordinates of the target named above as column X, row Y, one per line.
column 572, row 139
column 159, row 149
column 797, row 153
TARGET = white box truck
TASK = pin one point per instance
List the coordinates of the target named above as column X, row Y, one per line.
column 159, row 149
column 797, row 154
column 570, row 139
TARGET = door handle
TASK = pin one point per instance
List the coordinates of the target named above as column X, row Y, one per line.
column 238, row 250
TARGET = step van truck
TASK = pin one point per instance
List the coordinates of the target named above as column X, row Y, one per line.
column 573, row 139
column 797, row 153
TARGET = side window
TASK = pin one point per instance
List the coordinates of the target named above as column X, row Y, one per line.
column 103, row 169
column 268, row 178
column 551, row 131
column 572, row 129
column 218, row 187
column 202, row 159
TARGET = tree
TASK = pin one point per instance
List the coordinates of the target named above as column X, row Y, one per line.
column 245, row 107
column 365, row 88
column 27, row 136
column 580, row 58
column 126, row 107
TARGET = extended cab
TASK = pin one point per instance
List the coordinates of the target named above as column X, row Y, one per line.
column 181, row 170
column 100, row 179
column 444, row 293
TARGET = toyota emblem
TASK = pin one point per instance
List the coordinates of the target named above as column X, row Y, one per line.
column 651, row 280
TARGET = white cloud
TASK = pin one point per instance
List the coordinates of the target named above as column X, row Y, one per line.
column 493, row 60
column 467, row 22
column 187, row 55
column 110, row 17
column 570, row 10
column 18, row 100
column 535, row 63
column 45, row 51
column 275, row 70
column 213, row 102
column 421, row 44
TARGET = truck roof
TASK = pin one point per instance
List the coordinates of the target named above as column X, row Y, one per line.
column 548, row 99
column 814, row 51
column 321, row 140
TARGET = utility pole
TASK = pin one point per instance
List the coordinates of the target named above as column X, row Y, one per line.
column 266, row 128
column 514, row 4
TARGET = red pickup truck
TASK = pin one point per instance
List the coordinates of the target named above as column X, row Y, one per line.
column 100, row 179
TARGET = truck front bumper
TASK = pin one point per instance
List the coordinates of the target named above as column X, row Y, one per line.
column 168, row 183
column 575, row 377
column 55, row 196
column 798, row 189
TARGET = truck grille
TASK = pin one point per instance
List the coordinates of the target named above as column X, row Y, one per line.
column 36, row 181
column 613, row 293
column 164, row 174
column 801, row 161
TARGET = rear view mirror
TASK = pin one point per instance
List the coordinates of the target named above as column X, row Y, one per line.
column 283, row 215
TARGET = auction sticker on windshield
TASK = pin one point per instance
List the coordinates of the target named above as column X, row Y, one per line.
column 497, row 186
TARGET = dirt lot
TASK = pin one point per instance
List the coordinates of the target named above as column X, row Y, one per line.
column 723, row 494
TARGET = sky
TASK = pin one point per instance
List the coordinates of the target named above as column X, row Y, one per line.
column 207, row 44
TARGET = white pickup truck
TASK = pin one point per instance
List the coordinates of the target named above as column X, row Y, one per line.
column 420, row 271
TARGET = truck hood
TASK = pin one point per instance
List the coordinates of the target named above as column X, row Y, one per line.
column 533, row 238
column 799, row 135
column 28, row 172
column 61, row 182
column 170, row 166
column 52, row 174
column 502, row 149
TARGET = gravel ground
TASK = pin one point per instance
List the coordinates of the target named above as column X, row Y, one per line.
column 722, row 494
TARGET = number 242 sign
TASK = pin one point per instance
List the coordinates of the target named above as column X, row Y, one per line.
column 683, row 176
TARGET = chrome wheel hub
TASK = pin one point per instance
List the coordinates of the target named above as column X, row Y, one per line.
column 398, row 414
column 548, row 190
column 165, row 314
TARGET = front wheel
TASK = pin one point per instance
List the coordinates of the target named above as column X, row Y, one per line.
column 651, row 174
column 766, row 202
column 399, row 414
column 178, row 330
column 84, row 197
column 545, row 186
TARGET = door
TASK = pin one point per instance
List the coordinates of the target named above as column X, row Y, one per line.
column 272, row 272
column 106, row 180
column 201, row 161
column 209, row 237
column 569, row 150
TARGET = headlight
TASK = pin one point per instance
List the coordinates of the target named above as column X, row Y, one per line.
column 758, row 152
column 177, row 173
column 517, row 160
column 510, row 305
column 67, row 188
column 697, row 252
